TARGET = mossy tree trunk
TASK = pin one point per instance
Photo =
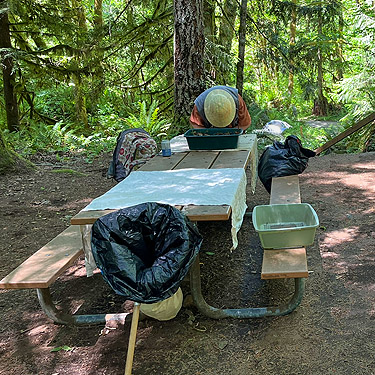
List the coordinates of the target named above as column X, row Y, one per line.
column 80, row 99
column 8, row 159
column 10, row 98
column 320, row 103
column 188, row 57
column 241, row 46
column 292, row 42
column 225, row 38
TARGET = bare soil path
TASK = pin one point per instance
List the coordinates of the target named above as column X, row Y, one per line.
column 331, row 332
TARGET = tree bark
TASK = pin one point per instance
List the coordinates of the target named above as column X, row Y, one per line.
column 226, row 30
column 188, row 57
column 97, row 79
column 292, row 41
column 80, row 100
column 10, row 98
column 340, row 43
column 7, row 159
column 209, row 20
column 241, row 46
column 321, row 103
column 226, row 33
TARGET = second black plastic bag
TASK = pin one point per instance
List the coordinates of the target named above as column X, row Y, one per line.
column 145, row 251
column 281, row 160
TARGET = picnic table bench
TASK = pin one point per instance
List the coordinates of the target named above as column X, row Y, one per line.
column 42, row 269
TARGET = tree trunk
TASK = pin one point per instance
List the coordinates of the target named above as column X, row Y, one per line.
column 10, row 98
column 321, row 103
column 7, row 159
column 339, row 48
column 292, row 41
column 80, row 100
column 209, row 20
column 188, row 57
column 97, row 78
column 241, row 46
column 226, row 33
column 226, row 30
column 10, row 161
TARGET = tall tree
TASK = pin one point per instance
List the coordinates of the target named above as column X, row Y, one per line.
column 292, row 42
column 7, row 158
column 189, row 80
column 98, row 73
column 10, row 98
column 321, row 102
column 80, row 99
column 241, row 46
column 225, row 40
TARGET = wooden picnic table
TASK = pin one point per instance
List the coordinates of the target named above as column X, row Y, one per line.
column 47, row 264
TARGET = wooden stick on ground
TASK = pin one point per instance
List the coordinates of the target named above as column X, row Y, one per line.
column 132, row 337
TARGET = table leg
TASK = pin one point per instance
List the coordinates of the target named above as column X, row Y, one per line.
column 242, row 313
column 61, row 317
column 86, row 243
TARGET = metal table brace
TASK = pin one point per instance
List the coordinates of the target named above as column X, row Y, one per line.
column 256, row 312
column 61, row 317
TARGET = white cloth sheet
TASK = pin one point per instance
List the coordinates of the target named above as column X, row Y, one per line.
column 183, row 187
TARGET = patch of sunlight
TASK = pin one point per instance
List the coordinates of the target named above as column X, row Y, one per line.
column 329, row 254
column 338, row 237
column 369, row 166
column 371, row 210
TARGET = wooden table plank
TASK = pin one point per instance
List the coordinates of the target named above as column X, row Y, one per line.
column 207, row 213
column 194, row 213
column 285, row 190
column 198, row 159
column 163, row 163
column 232, row 159
column 88, row 217
column 48, row 263
column 284, row 263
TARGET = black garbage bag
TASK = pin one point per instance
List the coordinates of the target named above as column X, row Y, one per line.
column 281, row 160
column 145, row 251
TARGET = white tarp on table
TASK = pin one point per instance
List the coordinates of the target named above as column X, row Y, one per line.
column 183, row 187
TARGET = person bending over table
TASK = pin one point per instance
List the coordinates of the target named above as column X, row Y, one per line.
column 220, row 107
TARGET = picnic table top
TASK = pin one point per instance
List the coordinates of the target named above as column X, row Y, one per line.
column 216, row 159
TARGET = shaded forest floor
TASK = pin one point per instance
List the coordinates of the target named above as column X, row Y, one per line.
column 331, row 332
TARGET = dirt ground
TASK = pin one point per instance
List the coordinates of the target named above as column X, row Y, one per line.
column 331, row 332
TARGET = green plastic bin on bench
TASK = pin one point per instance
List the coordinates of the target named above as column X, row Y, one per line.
column 285, row 225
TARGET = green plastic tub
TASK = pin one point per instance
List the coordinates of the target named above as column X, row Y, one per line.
column 213, row 138
column 285, row 225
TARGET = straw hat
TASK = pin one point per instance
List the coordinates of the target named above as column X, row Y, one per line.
column 166, row 309
column 219, row 108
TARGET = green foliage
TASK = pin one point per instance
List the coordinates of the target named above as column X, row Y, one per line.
column 66, row 348
column 149, row 120
column 311, row 137
column 124, row 69
column 58, row 139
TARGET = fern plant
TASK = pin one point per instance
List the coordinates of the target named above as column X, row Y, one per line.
column 148, row 119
